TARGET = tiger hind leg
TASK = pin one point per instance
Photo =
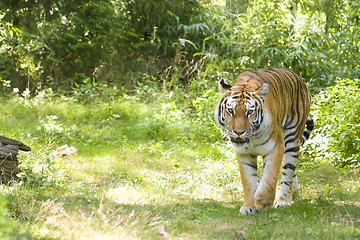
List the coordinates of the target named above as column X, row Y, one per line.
column 289, row 179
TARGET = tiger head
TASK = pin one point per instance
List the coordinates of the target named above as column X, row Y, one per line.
column 240, row 109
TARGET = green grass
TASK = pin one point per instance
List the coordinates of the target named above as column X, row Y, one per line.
column 145, row 170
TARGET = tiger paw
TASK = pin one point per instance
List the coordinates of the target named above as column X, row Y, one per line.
column 248, row 210
column 282, row 202
column 263, row 204
column 263, row 201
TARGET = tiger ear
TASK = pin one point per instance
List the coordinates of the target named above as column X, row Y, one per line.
column 224, row 86
column 264, row 89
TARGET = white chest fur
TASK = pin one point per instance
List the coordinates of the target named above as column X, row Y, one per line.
column 258, row 147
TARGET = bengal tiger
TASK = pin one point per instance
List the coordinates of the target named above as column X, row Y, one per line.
column 265, row 114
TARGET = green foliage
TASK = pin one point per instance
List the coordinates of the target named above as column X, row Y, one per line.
column 182, row 42
column 7, row 226
column 337, row 132
column 60, row 44
column 159, row 23
column 47, row 51
column 269, row 35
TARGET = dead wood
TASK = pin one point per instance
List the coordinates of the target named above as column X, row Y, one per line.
column 9, row 149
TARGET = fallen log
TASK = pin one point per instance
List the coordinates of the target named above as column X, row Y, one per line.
column 9, row 149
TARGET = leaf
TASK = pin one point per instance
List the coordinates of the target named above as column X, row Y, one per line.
column 240, row 234
column 184, row 41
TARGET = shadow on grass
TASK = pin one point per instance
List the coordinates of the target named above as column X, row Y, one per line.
column 209, row 219
column 189, row 218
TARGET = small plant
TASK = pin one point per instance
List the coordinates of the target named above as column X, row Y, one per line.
column 43, row 171
column 85, row 89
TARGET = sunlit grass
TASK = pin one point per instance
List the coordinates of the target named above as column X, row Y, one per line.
column 134, row 179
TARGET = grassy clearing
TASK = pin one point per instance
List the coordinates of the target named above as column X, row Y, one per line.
column 147, row 171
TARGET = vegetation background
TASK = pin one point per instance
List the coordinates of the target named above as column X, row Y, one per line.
column 132, row 84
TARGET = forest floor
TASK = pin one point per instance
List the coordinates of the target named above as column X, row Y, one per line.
column 140, row 174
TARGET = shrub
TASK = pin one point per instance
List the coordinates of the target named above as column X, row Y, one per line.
column 337, row 132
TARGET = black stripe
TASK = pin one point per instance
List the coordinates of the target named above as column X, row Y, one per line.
column 306, row 135
column 311, row 127
column 250, row 165
column 288, row 128
column 289, row 135
column 224, row 84
column 310, row 124
column 221, row 108
column 289, row 165
column 290, row 141
column 286, row 183
column 225, row 101
column 267, row 140
column 221, row 117
column 294, row 149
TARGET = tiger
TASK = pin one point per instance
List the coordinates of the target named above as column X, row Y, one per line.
column 266, row 113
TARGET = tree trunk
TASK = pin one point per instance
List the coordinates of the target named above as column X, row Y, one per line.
column 47, row 8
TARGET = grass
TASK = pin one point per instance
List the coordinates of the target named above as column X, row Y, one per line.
column 146, row 170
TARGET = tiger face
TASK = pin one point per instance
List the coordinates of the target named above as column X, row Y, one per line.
column 241, row 110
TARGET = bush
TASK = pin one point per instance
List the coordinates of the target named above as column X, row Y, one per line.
column 336, row 137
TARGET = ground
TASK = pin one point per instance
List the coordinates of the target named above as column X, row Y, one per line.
column 140, row 175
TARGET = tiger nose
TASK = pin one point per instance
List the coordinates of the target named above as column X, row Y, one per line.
column 239, row 133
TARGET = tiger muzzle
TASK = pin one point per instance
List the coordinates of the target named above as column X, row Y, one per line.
column 238, row 136
column 239, row 140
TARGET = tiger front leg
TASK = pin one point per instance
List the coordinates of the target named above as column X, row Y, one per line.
column 265, row 193
column 248, row 172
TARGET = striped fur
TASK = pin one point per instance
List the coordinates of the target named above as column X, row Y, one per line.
column 266, row 114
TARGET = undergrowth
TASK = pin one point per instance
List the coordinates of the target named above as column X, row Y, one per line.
column 148, row 167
